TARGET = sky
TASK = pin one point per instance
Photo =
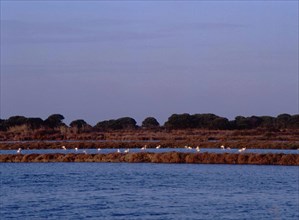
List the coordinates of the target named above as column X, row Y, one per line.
column 100, row 60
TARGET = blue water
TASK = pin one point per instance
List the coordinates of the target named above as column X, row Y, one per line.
column 105, row 150
column 148, row 191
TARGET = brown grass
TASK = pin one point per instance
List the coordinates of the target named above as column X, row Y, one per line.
column 281, row 139
column 170, row 157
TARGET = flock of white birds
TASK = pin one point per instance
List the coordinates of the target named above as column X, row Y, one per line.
column 197, row 149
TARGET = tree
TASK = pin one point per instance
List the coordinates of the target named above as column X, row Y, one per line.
column 282, row 120
column 208, row 121
column 204, row 120
column 126, row 123
column 150, row 122
column 2, row 125
column 80, row 123
column 179, row 121
column 35, row 123
column 242, row 122
column 54, row 121
column 294, row 121
column 267, row 122
column 254, row 121
column 118, row 124
column 104, row 125
column 15, row 121
column 220, row 123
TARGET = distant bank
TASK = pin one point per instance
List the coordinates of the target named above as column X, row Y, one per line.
column 169, row 157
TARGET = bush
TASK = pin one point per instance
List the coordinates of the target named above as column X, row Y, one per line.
column 179, row 121
column 54, row 121
column 150, row 122
column 118, row 124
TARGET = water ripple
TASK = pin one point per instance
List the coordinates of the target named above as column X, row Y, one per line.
column 148, row 191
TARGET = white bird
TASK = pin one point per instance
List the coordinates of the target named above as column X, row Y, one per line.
column 118, row 150
column 158, row 147
column 222, row 147
column 84, row 151
column 242, row 149
column 63, row 147
column 228, row 148
column 197, row 149
column 144, row 147
column 190, row 148
column 76, row 148
column 99, row 149
column 127, row 150
column 186, row 146
column 19, row 150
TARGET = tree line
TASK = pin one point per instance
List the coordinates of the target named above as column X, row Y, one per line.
column 175, row 121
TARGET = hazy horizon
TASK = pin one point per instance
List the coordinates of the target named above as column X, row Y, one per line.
column 105, row 60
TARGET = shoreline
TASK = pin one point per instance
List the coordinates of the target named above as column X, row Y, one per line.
column 147, row 157
column 249, row 144
column 137, row 138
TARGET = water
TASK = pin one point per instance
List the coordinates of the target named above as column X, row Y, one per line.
column 154, row 150
column 148, row 191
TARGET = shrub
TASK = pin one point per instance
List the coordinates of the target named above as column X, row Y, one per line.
column 150, row 122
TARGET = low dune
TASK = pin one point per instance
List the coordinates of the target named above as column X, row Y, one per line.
column 169, row 157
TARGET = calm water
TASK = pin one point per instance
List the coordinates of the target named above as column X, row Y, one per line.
column 202, row 150
column 148, row 191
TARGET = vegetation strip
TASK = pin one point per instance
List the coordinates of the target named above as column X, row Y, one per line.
column 169, row 157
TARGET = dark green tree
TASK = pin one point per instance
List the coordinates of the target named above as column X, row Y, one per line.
column 35, row 123
column 126, row 123
column 267, row 122
column 179, row 121
column 118, row 124
column 80, row 123
column 2, row 125
column 105, row 125
column 204, row 120
column 54, row 121
column 220, row 124
column 150, row 122
column 15, row 121
column 254, row 121
column 293, row 122
column 242, row 122
column 282, row 120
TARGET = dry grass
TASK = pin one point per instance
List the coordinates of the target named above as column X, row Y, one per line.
column 170, row 157
column 283, row 139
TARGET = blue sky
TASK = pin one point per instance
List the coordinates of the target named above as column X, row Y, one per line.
column 104, row 60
